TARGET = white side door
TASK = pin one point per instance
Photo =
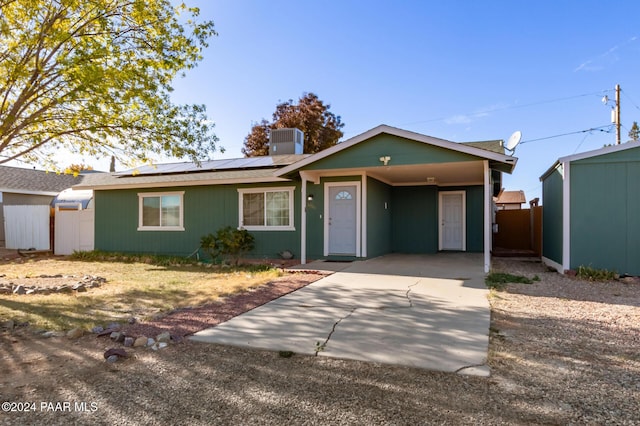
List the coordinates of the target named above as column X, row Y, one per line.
column 452, row 221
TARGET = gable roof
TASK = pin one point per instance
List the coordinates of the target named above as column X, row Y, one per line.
column 34, row 182
column 589, row 154
column 511, row 197
column 468, row 148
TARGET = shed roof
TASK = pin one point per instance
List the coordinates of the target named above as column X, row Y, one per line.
column 35, row 182
column 590, row 154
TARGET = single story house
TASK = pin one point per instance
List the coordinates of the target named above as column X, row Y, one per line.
column 385, row 190
column 510, row 200
column 25, row 202
column 591, row 204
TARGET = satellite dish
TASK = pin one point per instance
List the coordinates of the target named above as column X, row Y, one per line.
column 513, row 141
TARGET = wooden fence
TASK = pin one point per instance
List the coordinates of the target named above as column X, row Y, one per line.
column 519, row 232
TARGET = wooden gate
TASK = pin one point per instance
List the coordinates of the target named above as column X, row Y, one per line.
column 519, row 232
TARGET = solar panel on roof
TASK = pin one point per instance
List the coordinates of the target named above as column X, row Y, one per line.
column 210, row 165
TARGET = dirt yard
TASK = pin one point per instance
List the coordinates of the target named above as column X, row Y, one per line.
column 562, row 351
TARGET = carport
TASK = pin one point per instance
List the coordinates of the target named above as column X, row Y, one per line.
column 426, row 311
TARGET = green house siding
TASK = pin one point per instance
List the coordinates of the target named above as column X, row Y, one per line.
column 605, row 200
column 414, row 213
column 402, row 152
column 378, row 218
column 475, row 218
column 206, row 209
column 552, row 195
column 414, row 227
column 315, row 222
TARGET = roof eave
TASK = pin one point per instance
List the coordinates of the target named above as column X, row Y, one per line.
column 28, row 192
column 168, row 184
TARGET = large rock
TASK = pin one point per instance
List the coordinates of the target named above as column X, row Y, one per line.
column 128, row 342
column 80, row 288
column 117, row 336
column 117, row 352
column 19, row 289
column 164, row 337
column 75, row 333
column 140, row 341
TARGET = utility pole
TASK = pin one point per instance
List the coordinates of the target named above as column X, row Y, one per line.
column 617, row 114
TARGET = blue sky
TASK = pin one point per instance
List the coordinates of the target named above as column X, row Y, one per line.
column 458, row 70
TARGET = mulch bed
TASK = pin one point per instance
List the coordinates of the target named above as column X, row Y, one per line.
column 186, row 321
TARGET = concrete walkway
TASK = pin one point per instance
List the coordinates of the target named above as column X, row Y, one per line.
column 426, row 311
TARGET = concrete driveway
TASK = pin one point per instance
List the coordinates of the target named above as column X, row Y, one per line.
column 427, row 311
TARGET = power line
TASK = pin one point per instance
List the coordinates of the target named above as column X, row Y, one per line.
column 480, row 113
column 593, row 129
column 630, row 100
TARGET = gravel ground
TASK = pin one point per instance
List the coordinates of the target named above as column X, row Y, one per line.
column 562, row 351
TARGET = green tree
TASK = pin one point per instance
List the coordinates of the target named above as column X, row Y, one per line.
column 320, row 126
column 94, row 77
column 634, row 133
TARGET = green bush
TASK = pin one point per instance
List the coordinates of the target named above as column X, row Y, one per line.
column 592, row 274
column 498, row 280
column 228, row 242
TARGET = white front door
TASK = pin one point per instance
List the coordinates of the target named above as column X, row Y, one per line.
column 341, row 220
column 452, row 220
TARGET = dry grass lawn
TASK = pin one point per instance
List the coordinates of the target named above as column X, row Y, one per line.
column 139, row 290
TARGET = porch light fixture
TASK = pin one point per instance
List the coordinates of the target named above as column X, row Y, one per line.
column 385, row 159
column 310, row 197
column 431, row 179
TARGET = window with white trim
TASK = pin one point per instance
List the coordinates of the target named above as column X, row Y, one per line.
column 161, row 211
column 266, row 209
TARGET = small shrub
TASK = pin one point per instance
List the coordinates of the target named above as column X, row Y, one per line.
column 228, row 242
column 592, row 274
column 498, row 280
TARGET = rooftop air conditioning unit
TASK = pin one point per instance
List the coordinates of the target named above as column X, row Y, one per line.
column 286, row 142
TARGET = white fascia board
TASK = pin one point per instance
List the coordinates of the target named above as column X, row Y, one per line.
column 167, row 184
column 600, row 151
column 442, row 143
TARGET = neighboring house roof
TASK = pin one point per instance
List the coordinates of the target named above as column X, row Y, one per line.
column 506, row 161
column 34, row 182
column 510, row 197
column 590, row 154
column 215, row 172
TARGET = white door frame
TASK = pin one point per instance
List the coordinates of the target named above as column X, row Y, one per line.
column 441, row 217
column 327, row 202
